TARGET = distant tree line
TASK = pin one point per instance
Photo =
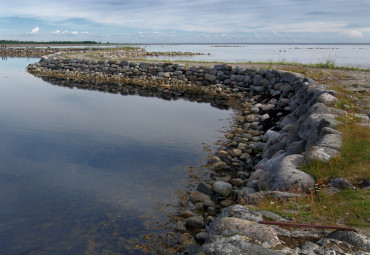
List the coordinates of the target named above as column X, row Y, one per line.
column 51, row 42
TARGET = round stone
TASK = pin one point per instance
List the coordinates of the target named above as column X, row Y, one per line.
column 223, row 188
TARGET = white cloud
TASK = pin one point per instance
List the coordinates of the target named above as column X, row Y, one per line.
column 56, row 32
column 35, row 30
column 354, row 33
column 74, row 32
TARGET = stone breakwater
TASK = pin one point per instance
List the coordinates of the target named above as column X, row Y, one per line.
column 283, row 120
column 116, row 53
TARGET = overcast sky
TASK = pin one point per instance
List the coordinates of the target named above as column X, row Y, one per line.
column 197, row 21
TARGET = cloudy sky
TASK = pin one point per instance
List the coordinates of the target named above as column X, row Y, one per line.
column 197, row 21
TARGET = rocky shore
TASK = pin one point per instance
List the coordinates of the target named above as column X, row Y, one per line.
column 283, row 120
column 114, row 54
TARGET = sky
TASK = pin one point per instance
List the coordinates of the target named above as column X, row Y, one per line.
column 187, row 21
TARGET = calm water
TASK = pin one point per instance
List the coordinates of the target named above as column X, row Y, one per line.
column 353, row 55
column 87, row 172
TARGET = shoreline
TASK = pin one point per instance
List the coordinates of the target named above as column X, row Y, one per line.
column 241, row 158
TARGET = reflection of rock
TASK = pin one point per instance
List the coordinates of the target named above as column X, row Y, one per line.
column 219, row 102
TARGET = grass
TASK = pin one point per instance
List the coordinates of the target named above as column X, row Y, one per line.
column 349, row 207
column 354, row 161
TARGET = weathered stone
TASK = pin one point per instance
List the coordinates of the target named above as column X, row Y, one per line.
column 219, row 166
column 195, row 222
column 229, row 226
column 214, row 160
column 257, row 79
column 312, row 126
column 226, row 203
column 210, row 77
column 332, row 141
column 223, row 188
column 308, row 248
column 234, row 245
column 327, row 99
column 357, row 240
column 341, row 183
column 209, row 203
column 187, row 239
column 236, row 153
column 283, row 173
column 205, row 188
column 321, row 153
column 196, row 197
column 201, row 237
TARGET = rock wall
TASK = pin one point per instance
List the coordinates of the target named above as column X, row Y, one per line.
column 283, row 120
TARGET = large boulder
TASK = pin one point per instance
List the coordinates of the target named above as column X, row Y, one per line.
column 229, row 226
column 283, row 173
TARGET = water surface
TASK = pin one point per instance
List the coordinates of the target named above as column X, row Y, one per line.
column 87, row 172
column 353, row 55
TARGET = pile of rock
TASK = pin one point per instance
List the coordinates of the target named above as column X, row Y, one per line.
column 283, row 120
column 26, row 51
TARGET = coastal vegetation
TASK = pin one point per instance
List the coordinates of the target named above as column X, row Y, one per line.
column 350, row 206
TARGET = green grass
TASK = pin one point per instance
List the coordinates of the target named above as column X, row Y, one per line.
column 354, row 161
column 348, row 207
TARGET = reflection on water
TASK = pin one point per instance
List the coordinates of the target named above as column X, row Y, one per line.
column 83, row 172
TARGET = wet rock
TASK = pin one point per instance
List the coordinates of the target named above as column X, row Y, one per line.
column 201, row 237
column 236, row 153
column 220, row 166
column 209, row 203
column 187, row 214
column 187, row 239
column 237, row 182
column 223, row 188
column 226, row 178
column 199, row 207
column 196, row 197
column 180, row 226
column 226, row 203
column 204, row 188
column 195, row 222
column 214, row 160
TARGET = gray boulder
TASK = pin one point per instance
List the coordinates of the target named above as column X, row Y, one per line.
column 210, row 77
column 229, row 226
column 320, row 153
column 312, row 126
column 355, row 239
column 234, row 245
column 223, row 188
column 283, row 173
